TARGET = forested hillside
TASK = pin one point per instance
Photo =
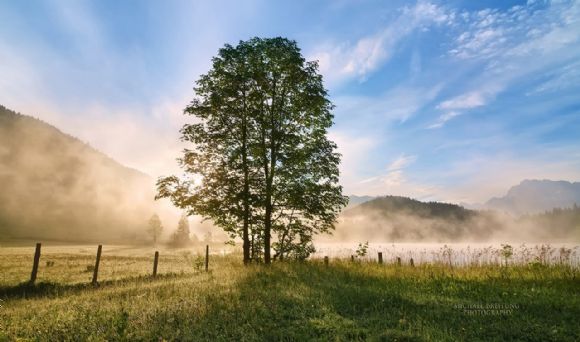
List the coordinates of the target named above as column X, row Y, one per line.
column 53, row 186
column 402, row 219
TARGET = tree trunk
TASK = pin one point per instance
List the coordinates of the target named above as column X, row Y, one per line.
column 253, row 248
column 267, row 223
column 269, row 206
column 245, row 237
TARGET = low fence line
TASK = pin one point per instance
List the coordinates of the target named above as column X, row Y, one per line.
column 396, row 261
column 36, row 262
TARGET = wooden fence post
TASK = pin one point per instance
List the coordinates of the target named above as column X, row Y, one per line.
column 380, row 257
column 206, row 257
column 155, row 261
column 326, row 260
column 96, row 270
column 35, row 263
column 412, row 263
column 398, row 261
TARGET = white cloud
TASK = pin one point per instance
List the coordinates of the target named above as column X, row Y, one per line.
column 394, row 181
column 561, row 79
column 401, row 162
column 523, row 31
column 443, row 118
column 465, row 101
column 344, row 61
column 395, row 105
column 522, row 42
column 395, row 177
column 355, row 151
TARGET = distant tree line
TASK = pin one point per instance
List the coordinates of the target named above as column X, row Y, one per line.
column 396, row 218
column 179, row 238
column 559, row 222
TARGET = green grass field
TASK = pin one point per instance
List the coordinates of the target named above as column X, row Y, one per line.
column 284, row 302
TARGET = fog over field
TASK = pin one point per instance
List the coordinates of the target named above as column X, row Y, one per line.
column 484, row 116
column 399, row 219
column 56, row 187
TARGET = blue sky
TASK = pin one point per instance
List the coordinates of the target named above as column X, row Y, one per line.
column 452, row 101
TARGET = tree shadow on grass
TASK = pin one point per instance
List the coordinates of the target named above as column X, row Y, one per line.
column 45, row 289
column 310, row 301
column 314, row 302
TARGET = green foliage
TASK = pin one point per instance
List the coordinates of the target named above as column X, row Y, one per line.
column 199, row 263
column 261, row 164
column 362, row 249
column 506, row 252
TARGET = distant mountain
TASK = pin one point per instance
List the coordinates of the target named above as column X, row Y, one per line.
column 394, row 218
column 535, row 196
column 53, row 186
column 354, row 200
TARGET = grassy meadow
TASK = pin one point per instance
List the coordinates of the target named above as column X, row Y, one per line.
column 284, row 302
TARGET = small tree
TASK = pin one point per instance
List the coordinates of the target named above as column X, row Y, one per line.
column 506, row 252
column 362, row 249
column 155, row 228
column 207, row 238
column 181, row 235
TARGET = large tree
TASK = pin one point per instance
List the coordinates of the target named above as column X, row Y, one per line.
column 261, row 163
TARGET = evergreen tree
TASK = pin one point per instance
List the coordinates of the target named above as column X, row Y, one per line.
column 155, row 228
column 181, row 235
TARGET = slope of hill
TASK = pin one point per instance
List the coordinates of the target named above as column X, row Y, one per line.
column 535, row 196
column 354, row 200
column 56, row 187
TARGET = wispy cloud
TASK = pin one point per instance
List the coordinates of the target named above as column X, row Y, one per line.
column 343, row 61
column 395, row 181
column 401, row 162
column 560, row 79
column 443, row 119
column 522, row 42
column 536, row 37
column 465, row 101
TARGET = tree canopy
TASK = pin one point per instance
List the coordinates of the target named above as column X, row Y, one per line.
column 260, row 165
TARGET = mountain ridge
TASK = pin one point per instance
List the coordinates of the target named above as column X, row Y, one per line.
column 532, row 196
